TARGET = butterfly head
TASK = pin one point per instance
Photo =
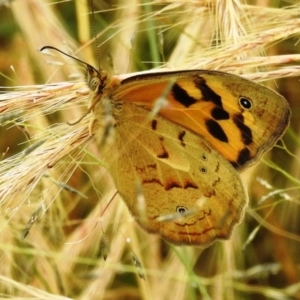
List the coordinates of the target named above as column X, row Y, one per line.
column 96, row 80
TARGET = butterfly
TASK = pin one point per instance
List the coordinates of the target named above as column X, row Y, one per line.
column 186, row 159
column 175, row 143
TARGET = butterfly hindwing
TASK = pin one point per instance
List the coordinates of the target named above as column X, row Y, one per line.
column 205, row 189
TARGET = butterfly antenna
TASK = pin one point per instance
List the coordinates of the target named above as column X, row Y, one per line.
column 73, row 57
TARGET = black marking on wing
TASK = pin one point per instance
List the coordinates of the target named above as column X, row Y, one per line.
column 164, row 154
column 207, row 92
column 218, row 113
column 187, row 185
column 182, row 96
column 216, row 182
column 216, row 130
column 181, row 136
column 217, row 168
column 244, row 156
column 171, row 185
column 190, row 185
column 246, row 132
column 154, row 124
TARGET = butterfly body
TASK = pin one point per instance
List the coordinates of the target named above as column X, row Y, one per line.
column 177, row 170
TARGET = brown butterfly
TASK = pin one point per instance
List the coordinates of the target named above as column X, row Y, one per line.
column 175, row 142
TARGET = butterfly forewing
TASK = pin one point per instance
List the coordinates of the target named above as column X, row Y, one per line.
column 239, row 118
